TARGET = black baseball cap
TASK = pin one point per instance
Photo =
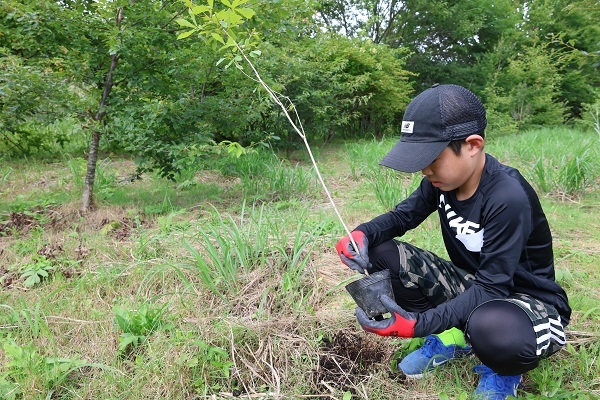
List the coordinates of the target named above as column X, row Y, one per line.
column 432, row 120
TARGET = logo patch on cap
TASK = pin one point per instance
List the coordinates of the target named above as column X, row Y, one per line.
column 407, row 126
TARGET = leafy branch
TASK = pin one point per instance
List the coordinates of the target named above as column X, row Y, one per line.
column 223, row 28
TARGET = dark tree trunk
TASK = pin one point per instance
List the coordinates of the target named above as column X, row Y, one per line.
column 87, row 198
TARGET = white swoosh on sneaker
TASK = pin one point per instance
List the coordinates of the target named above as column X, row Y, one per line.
column 438, row 363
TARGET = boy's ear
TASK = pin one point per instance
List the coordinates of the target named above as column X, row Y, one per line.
column 475, row 142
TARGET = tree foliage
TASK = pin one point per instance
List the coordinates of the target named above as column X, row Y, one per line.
column 350, row 67
column 471, row 42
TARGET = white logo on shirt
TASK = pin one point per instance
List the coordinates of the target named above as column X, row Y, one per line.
column 466, row 231
column 408, row 126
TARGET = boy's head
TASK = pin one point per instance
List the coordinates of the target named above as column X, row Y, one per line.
column 438, row 116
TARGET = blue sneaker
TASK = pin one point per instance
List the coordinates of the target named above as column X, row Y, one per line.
column 432, row 354
column 493, row 386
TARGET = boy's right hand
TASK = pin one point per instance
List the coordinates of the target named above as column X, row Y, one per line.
column 357, row 261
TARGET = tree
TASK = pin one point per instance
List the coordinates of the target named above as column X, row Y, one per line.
column 525, row 93
column 571, row 28
column 445, row 38
column 342, row 85
column 35, row 85
column 337, row 84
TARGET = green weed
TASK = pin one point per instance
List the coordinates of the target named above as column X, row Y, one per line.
column 263, row 175
column 138, row 324
column 5, row 175
column 105, row 178
column 391, row 187
column 567, row 176
column 26, row 369
column 252, row 285
column 363, row 157
column 225, row 248
column 558, row 161
column 27, row 373
column 225, row 252
column 36, row 271
column 209, row 365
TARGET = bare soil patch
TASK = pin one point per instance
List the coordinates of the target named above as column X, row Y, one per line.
column 346, row 359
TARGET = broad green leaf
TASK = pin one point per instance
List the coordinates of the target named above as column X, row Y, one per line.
column 183, row 35
column 230, row 17
column 226, row 3
column 200, row 9
column 192, row 362
column 226, row 46
column 238, row 3
column 127, row 339
column 193, row 16
column 217, row 37
column 185, row 22
column 246, row 12
column 32, row 280
column 230, row 43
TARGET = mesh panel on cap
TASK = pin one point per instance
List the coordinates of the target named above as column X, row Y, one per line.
column 461, row 111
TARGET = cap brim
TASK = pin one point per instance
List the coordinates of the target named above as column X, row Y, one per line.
column 412, row 156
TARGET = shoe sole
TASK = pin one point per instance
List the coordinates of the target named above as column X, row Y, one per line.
column 416, row 376
column 424, row 373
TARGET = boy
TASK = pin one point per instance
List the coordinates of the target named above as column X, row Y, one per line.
column 499, row 286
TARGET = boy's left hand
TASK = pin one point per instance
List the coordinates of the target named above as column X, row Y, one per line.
column 401, row 324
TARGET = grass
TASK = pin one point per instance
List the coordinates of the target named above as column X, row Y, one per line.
column 225, row 283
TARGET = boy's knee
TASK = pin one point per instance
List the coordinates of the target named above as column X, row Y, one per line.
column 501, row 335
column 385, row 256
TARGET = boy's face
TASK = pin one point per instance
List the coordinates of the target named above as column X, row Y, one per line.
column 450, row 171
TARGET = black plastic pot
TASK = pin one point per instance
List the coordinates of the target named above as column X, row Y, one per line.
column 367, row 290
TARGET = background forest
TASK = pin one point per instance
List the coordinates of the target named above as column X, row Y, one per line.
column 74, row 70
column 163, row 234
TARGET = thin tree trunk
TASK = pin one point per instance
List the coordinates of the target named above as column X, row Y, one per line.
column 87, row 198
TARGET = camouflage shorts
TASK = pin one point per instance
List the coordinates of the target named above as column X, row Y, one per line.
column 440, row 280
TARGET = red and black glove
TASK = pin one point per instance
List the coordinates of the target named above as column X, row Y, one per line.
column 356, row 260
column 401, row 324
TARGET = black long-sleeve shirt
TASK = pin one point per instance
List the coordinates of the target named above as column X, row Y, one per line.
column 500, row 234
